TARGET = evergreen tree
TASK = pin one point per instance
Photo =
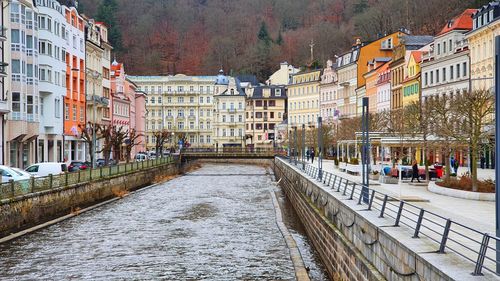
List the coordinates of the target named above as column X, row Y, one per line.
column 360, row 6
column 263, row 34
column 279, row 40
column 106, row 12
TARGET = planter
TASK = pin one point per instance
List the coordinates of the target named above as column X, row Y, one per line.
column 374, row 177
column 469, row 195
column 388, row 180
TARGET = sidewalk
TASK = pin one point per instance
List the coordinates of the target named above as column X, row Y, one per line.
column 477, row 214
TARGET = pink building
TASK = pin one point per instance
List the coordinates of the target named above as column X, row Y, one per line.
column 128, row 107
column 328, row 94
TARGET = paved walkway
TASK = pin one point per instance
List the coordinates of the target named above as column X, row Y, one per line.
column 477, row 214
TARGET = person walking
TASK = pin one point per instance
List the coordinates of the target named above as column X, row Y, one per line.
column 308, row 154
column 414, row 174
column 312, row 155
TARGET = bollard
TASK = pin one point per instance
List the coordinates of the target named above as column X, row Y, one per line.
column 32, row 183
column 12, row 189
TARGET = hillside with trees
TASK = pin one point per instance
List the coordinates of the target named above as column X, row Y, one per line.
column 253, row 36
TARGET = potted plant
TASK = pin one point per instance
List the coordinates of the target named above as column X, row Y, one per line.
column 374, row 175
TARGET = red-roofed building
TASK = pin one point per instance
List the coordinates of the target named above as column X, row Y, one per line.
column 445, row 70
column 127, row 108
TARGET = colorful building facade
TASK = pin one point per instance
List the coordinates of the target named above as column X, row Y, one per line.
column 303, row 98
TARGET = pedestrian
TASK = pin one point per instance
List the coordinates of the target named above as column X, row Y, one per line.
column 455, row 166
column 452, row 165
column 483, row 160
column 414, row 174
column 308, row 154
column 312, row 155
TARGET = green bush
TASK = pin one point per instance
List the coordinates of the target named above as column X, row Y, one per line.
column 354, row 161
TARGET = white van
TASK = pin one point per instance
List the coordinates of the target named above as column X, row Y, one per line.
column 139, row 157
column 47, row 168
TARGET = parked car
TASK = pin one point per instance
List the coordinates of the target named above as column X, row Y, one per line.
column 76, row 166
column 102, row 162
column 151, row 155
column 47, row 168
column 14, row 174
column 139, row 157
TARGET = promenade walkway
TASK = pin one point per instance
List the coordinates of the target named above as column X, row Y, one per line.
column 477, row 214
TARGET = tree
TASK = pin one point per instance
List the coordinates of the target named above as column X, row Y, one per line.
column 474, row 123
column 87, row 132
column 263, row 34
column 118, row 137
column 279, row 40
column 161, row 138
column 107, row 12
column 130, row 142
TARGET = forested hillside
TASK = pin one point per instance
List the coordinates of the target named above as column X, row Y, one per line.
column 253, row 36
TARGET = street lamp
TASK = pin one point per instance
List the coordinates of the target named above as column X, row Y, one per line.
column 320, row 148
column 303, row 147
column 94, row 75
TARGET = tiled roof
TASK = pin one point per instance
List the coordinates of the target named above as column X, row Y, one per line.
column 417, row 55
column 417, row 40
column 461, row 22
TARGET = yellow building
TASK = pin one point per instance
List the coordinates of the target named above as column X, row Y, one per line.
column 303, row 98
column 411, row 84
column 180, row 104
column 265, row 110
column 486, row 26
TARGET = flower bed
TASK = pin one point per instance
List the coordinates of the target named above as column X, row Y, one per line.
column 465, row 183
column 469, row 195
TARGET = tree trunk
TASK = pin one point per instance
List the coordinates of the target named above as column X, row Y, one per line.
column 473, row 166
column 447, row 153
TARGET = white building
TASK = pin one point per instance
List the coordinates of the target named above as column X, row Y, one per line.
column 282, row 76
column 4, row 82
column 52, row 84
column 23, row 120
column 328, row 94
column 229, row 108
column 445, row 70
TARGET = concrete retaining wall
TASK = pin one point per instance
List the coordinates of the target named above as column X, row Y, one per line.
column 433, row 187
column 36, row 208
column 355, row 244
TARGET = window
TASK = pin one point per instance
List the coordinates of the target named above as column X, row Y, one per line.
column 444, row 47
column 16, row 102
column 74, row 113
column 16, row 66
column 439, row 49
column 14, row 33
column 82, row 114
column 451, row 45
column 458, row 70
column 437, row 75
column 180, row 113
column 159, row 100
column 169, row 100
column 208, row 99
column 451, row 72
column 66, row 111
column 223, row 118
column 240, row 118
column 191, row 125
column 444, row 74
column 180, row 100
column 208, row 126
column 191, row 100
column 464, row 70
column 426, row 82
column 201, row 99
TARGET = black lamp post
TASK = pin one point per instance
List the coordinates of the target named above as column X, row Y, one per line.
column 303, row 147
column 290, row 146
column 295, row 144
column 320, row 148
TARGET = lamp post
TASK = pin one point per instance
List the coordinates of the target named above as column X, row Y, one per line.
column 296, row 155
column 303, row 154
column 95, row 75
column 320, row 148
column 290, row 146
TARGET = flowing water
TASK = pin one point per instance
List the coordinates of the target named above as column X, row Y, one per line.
column 217, row 223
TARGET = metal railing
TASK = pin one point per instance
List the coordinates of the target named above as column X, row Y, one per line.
column 14, row 189
column 475, row 246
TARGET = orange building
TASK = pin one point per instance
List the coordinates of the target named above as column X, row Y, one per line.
column 371, row 78
column 380, row 48
column 74, row 101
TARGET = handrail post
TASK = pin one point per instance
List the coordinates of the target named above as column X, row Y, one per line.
column 419, row 223
column 382, row 210
column 360, row 197
column 371, row 200
column 79, row 175
column 32, row 183
column 334, row 181
column 66, row 175
column 400, row 211
column 51, row 181
column 352, row 191
column 444, row 239
column 481, row 255
column 100, row 172
column 12, row 189
column 345, row 187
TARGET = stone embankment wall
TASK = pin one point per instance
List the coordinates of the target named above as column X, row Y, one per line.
column 36, row 208
column 352, row 243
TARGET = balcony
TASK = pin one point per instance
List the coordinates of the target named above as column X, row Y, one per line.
column 3, row 69
column 4, row 107
column 231, row 110
column 3, row 33
column 192, row 117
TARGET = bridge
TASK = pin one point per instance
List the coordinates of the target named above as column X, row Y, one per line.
column 232, row 153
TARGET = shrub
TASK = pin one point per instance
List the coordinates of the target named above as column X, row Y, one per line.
column 465, row 183
column 354, row 161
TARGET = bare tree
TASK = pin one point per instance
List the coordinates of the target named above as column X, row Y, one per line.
column 474, row 123
column 87, row 131
column 118, row 136
column 132, row 141
column 161, row 137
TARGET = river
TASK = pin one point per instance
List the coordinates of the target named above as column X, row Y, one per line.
column 216, row 223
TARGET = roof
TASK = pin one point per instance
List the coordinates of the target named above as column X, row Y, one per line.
column 417, row 55
column 257, row 92
column 460, row 22
column 252, row 79
column 417, row 40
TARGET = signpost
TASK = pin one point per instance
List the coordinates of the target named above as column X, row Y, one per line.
column 365, row 155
